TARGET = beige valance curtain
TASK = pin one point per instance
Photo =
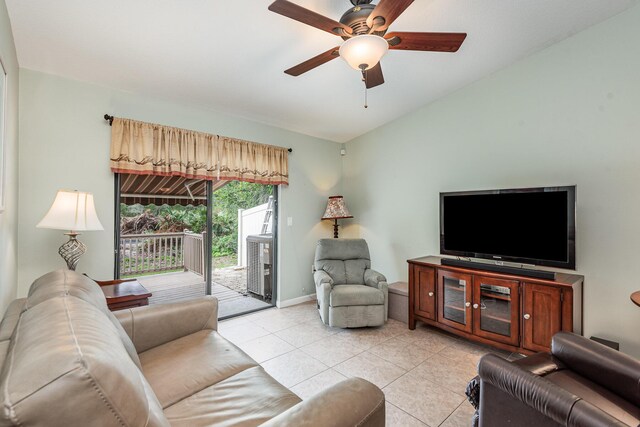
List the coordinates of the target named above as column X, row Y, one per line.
column 151, row 149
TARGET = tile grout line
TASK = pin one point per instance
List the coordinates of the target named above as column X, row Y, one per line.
column 452, row 412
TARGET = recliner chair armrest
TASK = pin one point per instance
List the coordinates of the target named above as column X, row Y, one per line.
column 537, row 393
column 352, row 402
column 611, row 369
column 320, row 277
column 540, row 364
column 532, row 390
column 153, row 325
column 373, row 278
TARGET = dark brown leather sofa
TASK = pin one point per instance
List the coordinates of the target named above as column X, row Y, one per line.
column 581, row 383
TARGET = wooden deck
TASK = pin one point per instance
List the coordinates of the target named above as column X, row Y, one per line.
column 173, row 287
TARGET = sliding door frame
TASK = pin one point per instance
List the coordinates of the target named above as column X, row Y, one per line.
column 116, row 235
column 275, row 267
column 116, row 227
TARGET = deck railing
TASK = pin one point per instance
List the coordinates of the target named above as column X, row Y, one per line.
column 147, row 253
column 194, row 252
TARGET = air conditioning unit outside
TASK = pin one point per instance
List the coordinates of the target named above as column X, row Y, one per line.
column 260, row 262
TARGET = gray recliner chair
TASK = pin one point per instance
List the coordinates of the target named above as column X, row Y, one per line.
column 350, row 294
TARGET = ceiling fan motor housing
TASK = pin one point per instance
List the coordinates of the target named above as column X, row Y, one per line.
column 356, row 18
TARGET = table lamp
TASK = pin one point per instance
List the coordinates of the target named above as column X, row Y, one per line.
column 73, row 211
column 336, row 209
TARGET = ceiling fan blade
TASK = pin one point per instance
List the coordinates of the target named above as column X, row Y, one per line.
column 306, row 16
column 434, row 42
column 389, row 10
column 314, row 62
column 374, row 77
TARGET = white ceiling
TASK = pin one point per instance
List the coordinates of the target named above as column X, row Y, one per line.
column 229, row 55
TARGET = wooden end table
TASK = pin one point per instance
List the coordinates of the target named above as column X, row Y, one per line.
column 123, row 294
column 635, row 297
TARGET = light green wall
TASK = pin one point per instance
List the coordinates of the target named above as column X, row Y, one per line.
column 567, row 115
column 9, row 218
column 64, row 143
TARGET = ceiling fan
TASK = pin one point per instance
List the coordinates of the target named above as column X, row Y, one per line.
column 364, row 30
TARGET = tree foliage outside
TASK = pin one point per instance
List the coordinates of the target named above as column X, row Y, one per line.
column 151, row 219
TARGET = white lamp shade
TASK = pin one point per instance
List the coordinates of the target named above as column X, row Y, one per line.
column 72, row 210
column 363, row 51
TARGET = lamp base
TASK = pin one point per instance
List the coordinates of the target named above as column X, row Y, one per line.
column 335, row 229
column 72, row 250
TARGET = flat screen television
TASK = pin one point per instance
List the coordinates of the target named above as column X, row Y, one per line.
column 530, row 225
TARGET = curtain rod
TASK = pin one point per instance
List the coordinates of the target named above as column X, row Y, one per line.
column 110, row 120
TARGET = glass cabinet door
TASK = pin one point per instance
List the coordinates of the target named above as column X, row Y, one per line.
column 495, row 309
column 454, row 300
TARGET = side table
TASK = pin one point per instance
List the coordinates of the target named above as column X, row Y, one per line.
column 121, row 294
column 635, row 297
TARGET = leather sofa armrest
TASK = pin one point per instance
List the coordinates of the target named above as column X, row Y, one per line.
column 532, row 390
column 320, row 277
column 153, row 325
column 615, row 371
column 352, row 402
column 373, row 278
column 540, row 364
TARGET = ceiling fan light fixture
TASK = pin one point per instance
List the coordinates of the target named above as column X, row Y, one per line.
column 363, row 52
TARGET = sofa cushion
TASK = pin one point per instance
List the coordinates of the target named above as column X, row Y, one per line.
column 248, row 398
column 342, row 295
column 190, row 364
column 65, row 348
column 67, row 282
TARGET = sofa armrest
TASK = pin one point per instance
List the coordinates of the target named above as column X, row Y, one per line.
column 613, row 370
column 373, row 278
column 537, row 393
column 540, row 364
column 352, row 402
column 152, row 325
column 532, row 390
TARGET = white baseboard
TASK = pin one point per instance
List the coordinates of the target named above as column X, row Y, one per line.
column 296, row 301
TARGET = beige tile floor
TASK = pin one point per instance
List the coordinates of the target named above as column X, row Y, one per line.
column 423, row 373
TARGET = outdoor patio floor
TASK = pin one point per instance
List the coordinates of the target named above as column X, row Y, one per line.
column 173, row 287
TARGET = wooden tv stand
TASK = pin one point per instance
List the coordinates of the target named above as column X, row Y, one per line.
column 507, row 311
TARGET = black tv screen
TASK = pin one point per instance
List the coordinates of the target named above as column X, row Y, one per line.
column 531, row 226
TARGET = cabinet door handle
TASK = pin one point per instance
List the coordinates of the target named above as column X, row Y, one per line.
column 467, row 304
column 430, row 294
column 475, row 306
column 527, row 316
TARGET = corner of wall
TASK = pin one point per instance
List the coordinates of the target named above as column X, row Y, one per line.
column 9, row 218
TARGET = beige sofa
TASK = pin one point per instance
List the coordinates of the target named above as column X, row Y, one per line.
column 68, row 361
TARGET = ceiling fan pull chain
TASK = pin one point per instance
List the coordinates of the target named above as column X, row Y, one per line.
column 366, row 105
column 364, row 79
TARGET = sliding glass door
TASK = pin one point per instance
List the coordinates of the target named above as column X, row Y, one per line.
column 183, row 238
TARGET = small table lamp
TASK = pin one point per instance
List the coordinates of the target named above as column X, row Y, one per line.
column 73, row 211
column 336, row 209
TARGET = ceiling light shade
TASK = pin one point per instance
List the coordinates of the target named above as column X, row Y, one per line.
column 364, row 51
column 72, row 210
